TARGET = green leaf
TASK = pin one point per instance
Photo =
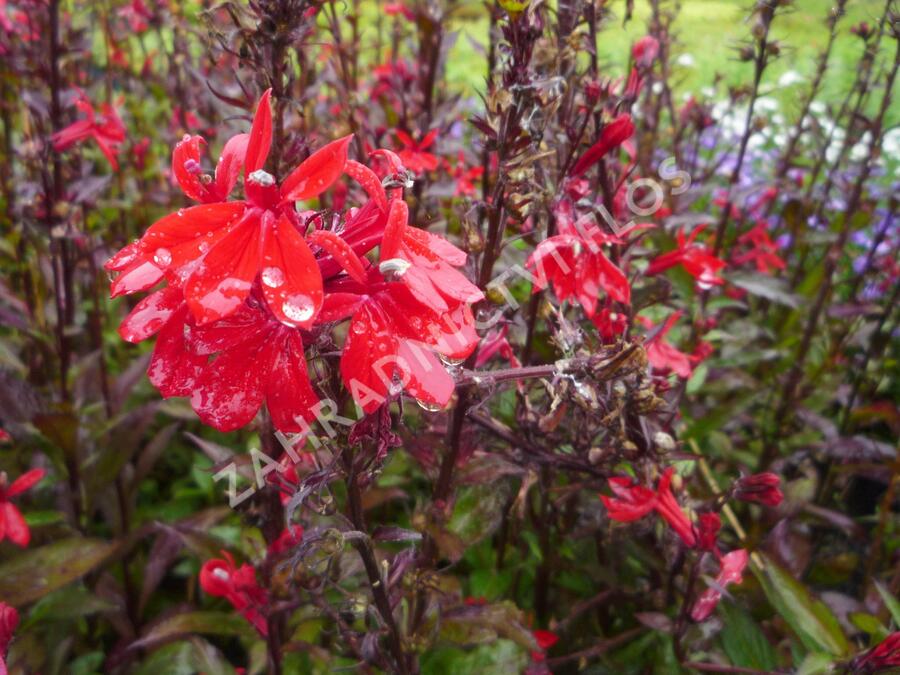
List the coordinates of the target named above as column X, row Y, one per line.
column 812, row 621
column 892, row 604
column 816, row 664
column 770, row 288
column 40, row 571
column 868, row 624
column 190, row 623
column 743, row 641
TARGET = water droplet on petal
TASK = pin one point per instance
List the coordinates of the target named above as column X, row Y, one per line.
column 180, row 212
column 430, row 407
column 162, row 257
column 219, row 573
column 260, row 177
column 394, row 267
column 298, row 308
column 446, row 360
column 359, row 328
column 273, row 277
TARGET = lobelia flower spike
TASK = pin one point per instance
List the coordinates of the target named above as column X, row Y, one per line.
column 12, row 524
column 730, row 572
column 106, row 129
column 695, row 258
column 217, row 249
column 664, row 356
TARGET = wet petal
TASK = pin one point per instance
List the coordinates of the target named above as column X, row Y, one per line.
column 426, row 378
column 368, row 341
column 222, row 281
column 369, row 181
column 338, row 306
column 139, row 277
column 341, row 251
column 16, row 529
column 173, row 369
column 228, row 168
column 394, row 230
column 289, row 395
column 317, row 172
column 229, row 391
column 187, row 151
column 183, row 236
column 247, row 323
column 25, row 482
column 291, row 280
column 151, row 314
column 260, row 139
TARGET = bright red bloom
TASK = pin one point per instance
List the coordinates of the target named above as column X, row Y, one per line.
column 414, row 153
column 106, row 129
column 763, row 488
column 662, row 355
column 258, row 359
column 731, row 572
column 761, row 250
column 645, row 50
column 613, row 135
column 465, row 177
column 218, row 248
column 708, row 526
column 695, row 258
column 12, row 524
column 545, row 639
column 9, row 620
column 222, row 578
column 884, row 656
column 609, row 323
column 632, row 501
column 493, row 344
column 574, row 263
column 287, row 540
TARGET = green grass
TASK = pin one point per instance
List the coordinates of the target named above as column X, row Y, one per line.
column 710, row 31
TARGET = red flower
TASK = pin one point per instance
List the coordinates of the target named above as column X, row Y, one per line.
column 545, row 639
column 613, row 135
column 107, row 130
column 414, row 155
column 761, row 250
column 258, row 359
column 495, row 343
column 645, row 50
column 609, row 323
column 763, row 488
column 731, row 572
column 663, row 356
column 465, row 178
column 886, row 655
column 9, row 620
column 695, row 259
column 4, row 436
column 708, row 528
column 219, row 247
column 12, row 524
column 221, row 578
column 574, row 263
column 286, row 541
column 631, row 501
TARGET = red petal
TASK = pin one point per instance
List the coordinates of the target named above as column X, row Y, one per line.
column 25, row 482
column 291, row 281
column 289, row 394
column 338, row 306
column 173, row 369
column 368, row 339
column 16, row 529
column 245, row 324
column 394, row 230
column 613, row 135
column 228, row 168
column 425, row 377
column 139, row 277
column 317, row 172
column 229, row 391
column 181, row 237
column 186, row 150
column 341, row 251
column 369, row 180
column 260, row 135
column 433, row 246
column 123, row 258
column 222, row 281
column 151, row 314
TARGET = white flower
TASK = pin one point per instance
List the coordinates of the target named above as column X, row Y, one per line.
column 685, row 60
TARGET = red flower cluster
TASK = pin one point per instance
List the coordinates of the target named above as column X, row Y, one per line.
column 695, row 258
column 12, row 524
column 222, row 578
column 731, row 569
column 882, row 657
column 763, row 488
column 252, row 282
column 106, row 129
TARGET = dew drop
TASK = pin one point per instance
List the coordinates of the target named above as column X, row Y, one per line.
column 298, row 308
column 359, row 328
column 273, row 277
column 430, row 407
column 163, row 257
column 180, row 213
column 446, row 360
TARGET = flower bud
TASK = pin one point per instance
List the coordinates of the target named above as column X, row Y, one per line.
column 762, row 488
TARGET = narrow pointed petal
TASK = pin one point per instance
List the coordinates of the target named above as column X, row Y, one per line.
column 246, row 324
column 291, row 280
column 289, row 395
column 341, row 251
column 260, row 140
column 25, row 482
column 16, row 529
column 433, row 246
column 317, row 172
column 338, row 306
column 370, row 182
column 123, row 258
column 139, row 277
column 181, row 237
column 394, row 230
column 228, row 168
column 173, row 369
column 368, row 342
column 186, row 152
column 426, row 378
column 151, row 314
column 222, row 281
